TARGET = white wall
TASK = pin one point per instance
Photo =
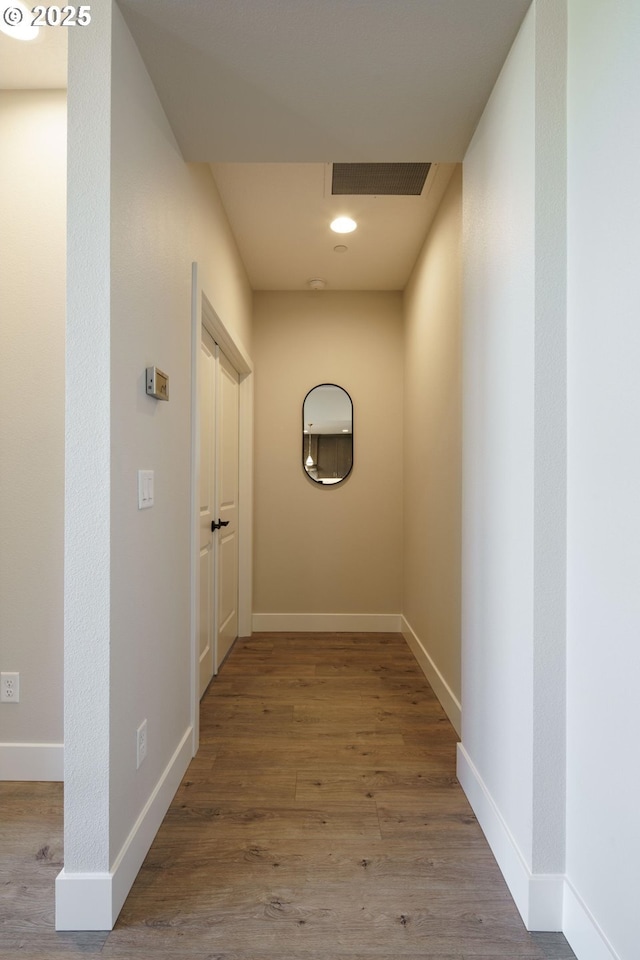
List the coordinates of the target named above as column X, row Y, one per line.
column 32, row 290
column 328, row 550
column 512, row 754
column 603, row 775
column 164, row 216
column 138, row 218
column 513, row 716
column 432, row 451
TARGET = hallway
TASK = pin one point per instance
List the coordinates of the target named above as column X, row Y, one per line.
column 320, row 820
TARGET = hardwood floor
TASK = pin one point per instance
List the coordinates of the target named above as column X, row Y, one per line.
column 320, row 820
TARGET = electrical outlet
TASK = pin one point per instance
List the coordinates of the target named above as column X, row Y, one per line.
column 9, row 687
column 141, row 744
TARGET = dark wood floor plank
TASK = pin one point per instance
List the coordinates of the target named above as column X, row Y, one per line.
column 320, row 820
column 234, row 783
column 333, row 687
column 283, row 820
column 368, row 753
column 378, row 785
column 346, row 860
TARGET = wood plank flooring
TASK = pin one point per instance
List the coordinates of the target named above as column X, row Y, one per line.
column 320, row 820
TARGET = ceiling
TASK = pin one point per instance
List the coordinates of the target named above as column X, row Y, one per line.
column 271, row 92
column 323, row 80
column 281, row 214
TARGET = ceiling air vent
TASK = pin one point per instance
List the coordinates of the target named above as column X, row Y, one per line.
column 379, row 179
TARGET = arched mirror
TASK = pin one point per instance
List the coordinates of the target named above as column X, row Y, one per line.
column 327, row 434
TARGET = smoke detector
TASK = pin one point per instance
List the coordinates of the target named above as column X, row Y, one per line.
column 316, row 283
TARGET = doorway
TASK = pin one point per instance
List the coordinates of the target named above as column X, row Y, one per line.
column 218, row 508
column 221, row 610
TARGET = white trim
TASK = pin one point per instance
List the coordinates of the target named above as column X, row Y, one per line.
column 546, row 901
column 92, row 901
column 83, row 901
column 581, row 929
column 538, row 897
column 441, row 688
column 326, row 622
column 226, row 340
column 135, row 848
column 31, row 761
column 194, row 587
column 245, row 518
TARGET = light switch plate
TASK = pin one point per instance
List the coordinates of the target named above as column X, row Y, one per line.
column 145, row 489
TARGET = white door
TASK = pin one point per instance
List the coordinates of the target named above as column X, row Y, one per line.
column 206, row 620
column 227, row 502
column 218, row 497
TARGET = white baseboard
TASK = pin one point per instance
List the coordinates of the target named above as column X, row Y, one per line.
column 31, row 761
column 585, row 937
column 538, row 897
column 441, row 688
column 92, row 901
column 326, row 622
column 84, row 901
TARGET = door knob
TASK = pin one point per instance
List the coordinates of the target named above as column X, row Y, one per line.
column 220, row 523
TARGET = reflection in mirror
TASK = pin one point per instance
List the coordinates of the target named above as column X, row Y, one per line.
column 327, row 434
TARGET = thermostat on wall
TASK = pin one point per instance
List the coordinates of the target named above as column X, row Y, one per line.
column 157, row 384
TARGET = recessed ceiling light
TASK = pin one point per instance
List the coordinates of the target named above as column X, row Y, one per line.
column 343, row 225
column 15, row 20
column 341, row 248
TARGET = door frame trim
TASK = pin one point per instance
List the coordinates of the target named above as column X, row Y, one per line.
column 203, row 314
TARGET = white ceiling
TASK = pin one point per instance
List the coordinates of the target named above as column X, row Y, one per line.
column 270, row 92
column 281, row 214
column 323, row 80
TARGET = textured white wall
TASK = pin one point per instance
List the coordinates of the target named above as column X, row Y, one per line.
column 139, row 217
column 603, row 841
column 150, row 549
column 164, row 216
column 514, row 450
column 433, row 440
column 87, row 450
column 497, row 610
column 32, row 291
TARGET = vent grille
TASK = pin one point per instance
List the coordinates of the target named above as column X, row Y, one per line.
column 379, row 179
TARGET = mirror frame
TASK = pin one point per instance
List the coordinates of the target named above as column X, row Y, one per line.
column 336, row 482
